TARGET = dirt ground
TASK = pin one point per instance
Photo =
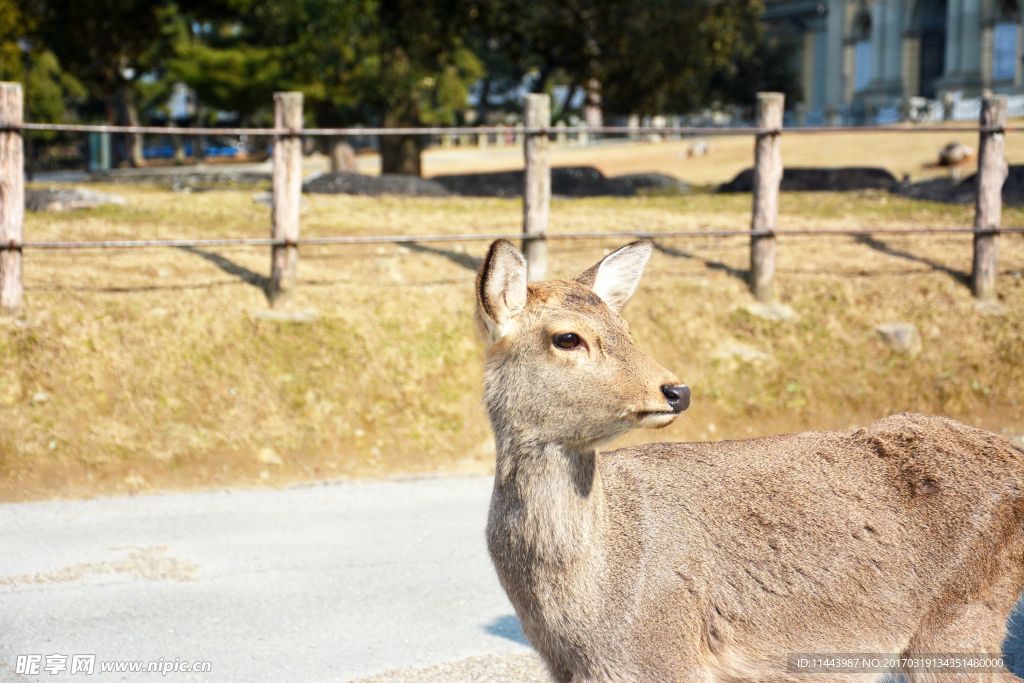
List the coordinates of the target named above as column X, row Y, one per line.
column 145, row 370
column 905, row 153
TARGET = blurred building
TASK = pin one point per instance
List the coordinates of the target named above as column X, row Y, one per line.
column 866, row 55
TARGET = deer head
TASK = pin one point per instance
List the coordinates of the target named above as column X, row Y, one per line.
column 561, row 366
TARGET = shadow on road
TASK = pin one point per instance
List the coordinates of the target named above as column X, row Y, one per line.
column 507, row 627
column 1013, row 646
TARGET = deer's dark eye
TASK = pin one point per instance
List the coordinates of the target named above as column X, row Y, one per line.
column 568, row 340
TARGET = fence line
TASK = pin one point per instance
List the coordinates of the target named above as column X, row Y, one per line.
column 767, row 178
column 694, row 131
column 536, row 186
column 992, row 172
column 484, row 237
column 286, row 186
column 12, row 199
column 287, row 173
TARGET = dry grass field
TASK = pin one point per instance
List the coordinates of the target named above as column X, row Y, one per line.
column 910, row 153
column 142, row 370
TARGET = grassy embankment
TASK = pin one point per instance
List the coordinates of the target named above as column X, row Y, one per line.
column 144, row 369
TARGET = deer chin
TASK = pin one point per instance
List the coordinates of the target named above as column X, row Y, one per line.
column 656, row 419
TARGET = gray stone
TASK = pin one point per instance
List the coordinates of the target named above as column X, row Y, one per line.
column 267, row 456
column 965, row 191
column 54, row 199
column 741, row 353
column 387, row 183
column 901, row 337
column 941, row 190
column 955, row 153
column 570, row 181
column 989, row 307
column 286, row 316
column 267, row 199
column 774, row 312
column 840, row 179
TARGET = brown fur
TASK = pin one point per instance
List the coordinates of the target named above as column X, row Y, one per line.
column 713, row 561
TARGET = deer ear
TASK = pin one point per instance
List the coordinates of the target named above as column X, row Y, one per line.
column 501, row 288
column 615, row 277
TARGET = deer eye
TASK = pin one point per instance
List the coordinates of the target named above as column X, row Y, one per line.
column 568, row 340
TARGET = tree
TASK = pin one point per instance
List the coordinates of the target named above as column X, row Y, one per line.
column 48, row 90
column 408, row 66
column 106, row 44
column 663, row 55
column 396, row 63
column 644, row 56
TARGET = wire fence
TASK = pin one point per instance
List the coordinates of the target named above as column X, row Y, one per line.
column 682, row 131
column 536, row 131
column 490, row 237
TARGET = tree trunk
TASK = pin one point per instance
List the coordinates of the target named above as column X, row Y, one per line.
column 343, row 157
column 111, row 105
column 564, row 110
column 482, row 107
column 400, row 154
column 538, row 85
column 179, row 149
column 197, row 140
column 134, row 140
column 28, row 142
column 592, row 108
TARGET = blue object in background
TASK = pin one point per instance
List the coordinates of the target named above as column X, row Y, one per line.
column 167, row 151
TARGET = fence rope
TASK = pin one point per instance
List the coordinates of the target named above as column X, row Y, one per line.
column 400, row 239
column 287, row 131
column 488, row 130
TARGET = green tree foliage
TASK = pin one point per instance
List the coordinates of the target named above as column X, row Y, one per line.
column 48, row 89
column 389, row 62
column 225, row 72
column 666, row 55
column 99, row 41
column 105, row 44
column 647, row 56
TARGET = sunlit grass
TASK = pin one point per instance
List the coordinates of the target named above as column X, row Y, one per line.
column 143, row 369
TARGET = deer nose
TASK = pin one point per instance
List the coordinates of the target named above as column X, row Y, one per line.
column 678, row 396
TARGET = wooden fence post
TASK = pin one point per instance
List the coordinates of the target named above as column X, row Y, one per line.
column 12, row 199
column 537, row 188
column 767, row 177
column 992, row 170
column 287, row 194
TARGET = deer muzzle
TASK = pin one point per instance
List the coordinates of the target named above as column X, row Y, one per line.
column 677, row 396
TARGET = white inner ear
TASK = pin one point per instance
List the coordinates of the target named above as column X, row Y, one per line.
column 620, row 273
column 506, row 291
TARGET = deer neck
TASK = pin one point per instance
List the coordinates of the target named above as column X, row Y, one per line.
column 548, row 498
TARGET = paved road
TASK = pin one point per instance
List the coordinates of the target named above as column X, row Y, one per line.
column 323, row 583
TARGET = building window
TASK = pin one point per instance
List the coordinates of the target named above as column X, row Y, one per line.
column 862, row 65
column 1004, row 49
column 861, row 51
column 1005, row 62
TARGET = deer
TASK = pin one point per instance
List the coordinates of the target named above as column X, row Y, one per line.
column 716, row 561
